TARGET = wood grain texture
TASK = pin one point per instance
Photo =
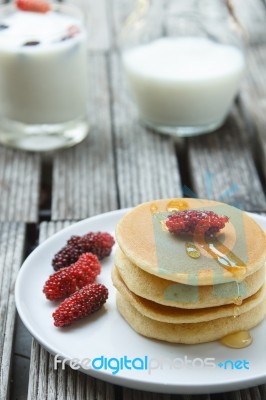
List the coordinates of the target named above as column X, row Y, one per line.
column 46, row 383
column 254, row 101
column 222, row 167
column 19, row 185
column 84, row 177
column 99, row 31
column 247, row 394
column 207, row 8
column 146, row 162
column 129, row 394
column 12, row 236
column 119, row 10
column 252, row 15
column 262, row 390
column 103, row 31
column 95, row 17
column 125, row 15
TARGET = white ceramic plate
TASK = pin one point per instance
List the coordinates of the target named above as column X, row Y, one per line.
column 107, row 335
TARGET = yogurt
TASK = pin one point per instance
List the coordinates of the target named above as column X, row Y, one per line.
column 185, row 82
column 43, row 74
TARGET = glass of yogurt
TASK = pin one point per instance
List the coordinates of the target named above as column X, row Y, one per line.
column 43, row 76
column 185, row 75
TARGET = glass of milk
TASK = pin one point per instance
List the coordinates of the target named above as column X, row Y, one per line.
column 183, row 71
column 43, row 78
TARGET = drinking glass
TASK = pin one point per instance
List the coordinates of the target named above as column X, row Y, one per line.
column 183, row 68
column 43, row 77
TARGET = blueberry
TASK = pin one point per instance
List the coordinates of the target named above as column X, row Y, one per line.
column 32, row 43
column 3, row 26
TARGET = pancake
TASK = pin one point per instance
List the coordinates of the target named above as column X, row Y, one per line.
column 167, row 293
column 200, row 332
column 174, row 315
column 141, row 237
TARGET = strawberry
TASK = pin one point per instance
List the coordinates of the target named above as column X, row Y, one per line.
column 40, row 6
column 68, row 280
column 81, row 304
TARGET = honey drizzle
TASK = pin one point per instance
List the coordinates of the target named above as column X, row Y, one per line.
column 177, row 205
column 153, row 208
column 192, row 250
column 219, row 252
column 224, row 257
column 237, row 340
column 164, row 227
column 236, row 312
column 238, row 300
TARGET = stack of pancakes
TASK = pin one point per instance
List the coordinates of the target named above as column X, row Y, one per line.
column 164, row 293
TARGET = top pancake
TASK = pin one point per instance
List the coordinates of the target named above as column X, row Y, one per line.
column 141, row 236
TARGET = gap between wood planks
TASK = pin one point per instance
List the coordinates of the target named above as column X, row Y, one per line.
column 19, row 375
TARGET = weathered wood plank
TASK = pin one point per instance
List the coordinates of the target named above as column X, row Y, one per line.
column 125, row 14
column 19, row 185
column 143, row 159
column 232, row 395
column 99, row 32
column 129, row 394
column 246, row 394
column 208, row 8
column 95, row 17
column 12, row 237
column 119, row 14
column 262, row 389
column 252, row 16
column 254, row 393
column 146, row 162
column 212, row 13
column 84, row 177
column 222, row 167
column 253, row 98
column 47, row 383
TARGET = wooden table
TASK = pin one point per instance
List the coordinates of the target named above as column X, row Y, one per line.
column 119, row 165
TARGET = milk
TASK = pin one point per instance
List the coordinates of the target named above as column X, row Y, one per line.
column 185, row 82
column 43, row 77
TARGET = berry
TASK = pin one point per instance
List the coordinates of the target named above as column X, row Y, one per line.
column 99, row 243
column 72, row 31
column 195, row 222
column 3, row 27
column 32, row 43
column 67, row 281
column 81, row 304
column 40, row 6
